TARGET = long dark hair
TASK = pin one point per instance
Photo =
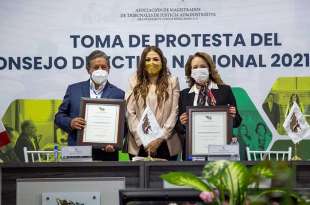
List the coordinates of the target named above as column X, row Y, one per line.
column 143, row 81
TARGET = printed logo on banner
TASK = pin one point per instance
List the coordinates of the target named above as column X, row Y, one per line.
column 167, row 14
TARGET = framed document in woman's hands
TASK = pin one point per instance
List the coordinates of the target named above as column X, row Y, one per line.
column 210, row 125
column 105, row 120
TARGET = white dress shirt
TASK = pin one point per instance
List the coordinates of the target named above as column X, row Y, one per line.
column 93, row 93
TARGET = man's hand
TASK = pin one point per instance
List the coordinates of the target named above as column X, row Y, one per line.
column 153, row 146
column 184, row 118
column 77, row 123
column 108, row 148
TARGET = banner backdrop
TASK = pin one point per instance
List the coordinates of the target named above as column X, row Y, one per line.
column 259, row 47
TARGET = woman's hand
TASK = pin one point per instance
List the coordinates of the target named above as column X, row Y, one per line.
column 234, row 140
column 153, row 146
column 184, row 118
column 232, row 111
column 108, row 148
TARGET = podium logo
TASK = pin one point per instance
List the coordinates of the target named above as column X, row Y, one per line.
column 67, row 202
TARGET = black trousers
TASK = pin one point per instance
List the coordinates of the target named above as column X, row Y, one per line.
column 162, row 152
column 100, row 155
column 183, row 142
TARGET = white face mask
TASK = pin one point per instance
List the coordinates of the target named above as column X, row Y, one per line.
column 99, row 76
column 200, row 75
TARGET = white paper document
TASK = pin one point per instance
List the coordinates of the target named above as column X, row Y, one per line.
column 148, row 127
column 101, row 123
column 208, row 128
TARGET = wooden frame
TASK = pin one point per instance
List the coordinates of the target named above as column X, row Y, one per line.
column 210, row 110
column 119, row 124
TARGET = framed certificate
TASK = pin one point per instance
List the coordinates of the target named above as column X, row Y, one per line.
column 105, row 120
column 207, row 126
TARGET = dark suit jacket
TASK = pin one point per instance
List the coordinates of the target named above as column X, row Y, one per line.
column 223, row 96
column 24, row 141
column 70, row 107
column 273, row 114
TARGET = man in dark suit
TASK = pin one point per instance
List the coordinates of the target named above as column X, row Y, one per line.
column 67, row 117
column 272, row 110
column 27, row 138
